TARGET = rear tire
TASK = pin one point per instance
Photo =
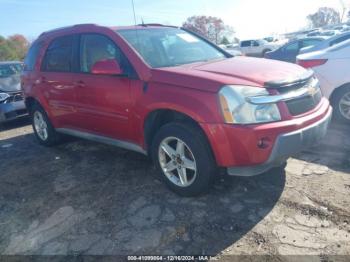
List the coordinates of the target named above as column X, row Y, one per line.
column 341, row 105
column 43, row 129
column 183, row 159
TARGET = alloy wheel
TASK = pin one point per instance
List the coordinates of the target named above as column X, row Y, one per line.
column 177, row 161
column 40, row 125
column 344, row 105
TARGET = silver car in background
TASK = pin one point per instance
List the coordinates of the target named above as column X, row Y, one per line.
column 11, row 97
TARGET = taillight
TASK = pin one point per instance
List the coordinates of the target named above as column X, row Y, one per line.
column 311, row 63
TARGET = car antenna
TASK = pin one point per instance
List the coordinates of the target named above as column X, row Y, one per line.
column 133, row 9
column 136, row 31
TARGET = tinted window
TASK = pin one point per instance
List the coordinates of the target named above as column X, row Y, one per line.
column 165, row 47
column 256, row 43
column 58, row 57
column 292, row 47
column 31, row 57
column 310, row 42
column 340, row 39
column 245, row 44
column 94, row 48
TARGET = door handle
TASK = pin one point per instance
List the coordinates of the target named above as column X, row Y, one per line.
column 80, row 83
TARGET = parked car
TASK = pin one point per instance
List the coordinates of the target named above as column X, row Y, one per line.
column 256, row 48
column 170, row 94
column 331, row 66
column 326, row 43
column 289, row 51
column 329, row 33
column 11, row 97
column 314, row 33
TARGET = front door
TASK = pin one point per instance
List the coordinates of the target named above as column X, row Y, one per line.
column 103, row 101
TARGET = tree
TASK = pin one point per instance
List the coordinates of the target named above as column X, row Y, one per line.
column 224, row 41
column 323, row 17
column 210, row 27
column 13, row 48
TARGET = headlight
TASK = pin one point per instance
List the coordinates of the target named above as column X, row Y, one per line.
column 237, row 110
column 3, row 96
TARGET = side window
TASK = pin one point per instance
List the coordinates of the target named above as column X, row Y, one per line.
column 293, row 47
column 58, row 57
column 94, row 48
column 245, row 43
column 256, row 43
column 32, row 55
column 340, row 39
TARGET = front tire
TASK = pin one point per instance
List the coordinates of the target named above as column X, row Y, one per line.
column 341, row 105
column 43, row 129
column 183, row 159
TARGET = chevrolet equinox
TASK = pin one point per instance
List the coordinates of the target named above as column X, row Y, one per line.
column 171, row 94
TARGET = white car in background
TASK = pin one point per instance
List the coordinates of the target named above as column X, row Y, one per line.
column 326, row 43
column 332, row 67
column 257, row 48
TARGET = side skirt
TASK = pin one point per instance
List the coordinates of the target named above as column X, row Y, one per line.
column 102, row 139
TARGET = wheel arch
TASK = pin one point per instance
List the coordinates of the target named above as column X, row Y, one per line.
column 336, row 90
column 159, row 117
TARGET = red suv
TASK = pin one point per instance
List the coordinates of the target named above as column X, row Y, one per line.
column 171, row 94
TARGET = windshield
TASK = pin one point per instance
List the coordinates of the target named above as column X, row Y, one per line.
column 166, row 47
column 7, row 70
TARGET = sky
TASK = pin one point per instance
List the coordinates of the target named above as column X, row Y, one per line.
column 249, row 18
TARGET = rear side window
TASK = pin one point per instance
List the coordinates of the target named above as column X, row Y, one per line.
column 32, row 55
column 58, row 57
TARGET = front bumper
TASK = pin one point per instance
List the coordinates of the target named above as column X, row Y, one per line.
column 13, row 110
column 286, row 145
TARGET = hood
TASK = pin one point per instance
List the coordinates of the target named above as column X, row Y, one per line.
column 10, row 83
column 211, row 76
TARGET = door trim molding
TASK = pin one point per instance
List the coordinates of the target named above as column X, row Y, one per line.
column 102, row 139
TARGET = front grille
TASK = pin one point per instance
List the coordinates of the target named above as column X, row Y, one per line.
column 303, row 104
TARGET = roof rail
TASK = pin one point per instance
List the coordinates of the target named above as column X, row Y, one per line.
column 155, row 24
column 65, row 27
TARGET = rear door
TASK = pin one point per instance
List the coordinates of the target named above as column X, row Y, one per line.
column 56, row 80
column 103, row 101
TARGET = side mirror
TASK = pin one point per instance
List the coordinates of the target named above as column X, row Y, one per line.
column 106, row 67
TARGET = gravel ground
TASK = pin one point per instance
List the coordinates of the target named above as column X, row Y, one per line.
column 87, row 198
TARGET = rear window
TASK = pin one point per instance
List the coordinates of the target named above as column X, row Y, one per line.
column 32, row 55
column 339, row 40
column 58, row 57
column 311, row 42
column 341, row 45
